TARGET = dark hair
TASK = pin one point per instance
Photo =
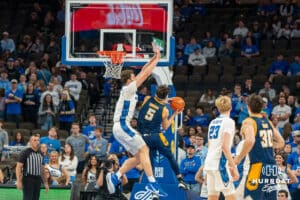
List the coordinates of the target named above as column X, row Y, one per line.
column 45, row 106
column 162, row 91
column 88, row 167
column 22, row 138
column 125, row 75
column 287, row 130
column 284, row 191
column 255, row 103
column 99, row 129
column 283, row 156
column 89, row 164
column 71, row 154
column 199, row 107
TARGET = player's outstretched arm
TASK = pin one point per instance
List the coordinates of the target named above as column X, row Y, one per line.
column 247, row 130
column 148, row 67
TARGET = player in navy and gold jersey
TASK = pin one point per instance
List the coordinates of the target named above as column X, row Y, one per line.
column 260, row 140
column 153, row 116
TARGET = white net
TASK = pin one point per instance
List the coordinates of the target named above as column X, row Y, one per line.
column 112, row 70
column 113, row 61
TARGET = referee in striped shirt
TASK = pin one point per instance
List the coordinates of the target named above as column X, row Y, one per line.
column 30, row 170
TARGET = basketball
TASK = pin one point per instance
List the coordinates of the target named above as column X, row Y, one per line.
column 177, row 103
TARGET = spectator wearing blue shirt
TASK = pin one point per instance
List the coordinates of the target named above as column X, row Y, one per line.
column 249, row 50
column 267, row 107
column 293, row 163
column 294, row 69
column 199, row 8
column 241, row 109
column 235, row 98
column 44, row 74
column 51, row 140
column 180, row 59
column 208, row 38
column 295, row 191
column 45, row 153
column 189, row 167
column 190, row 47
column 66, row 111
column 7, row 43
column 142, row 93
column 107, row 89
column 296, row 140
column 13, row 99
column 18, row 140
column 296, row 125
column 278, row 68
column 186, row 10
column 22, row 85
column 4, row 82
column 201, row 119
column 89, row 130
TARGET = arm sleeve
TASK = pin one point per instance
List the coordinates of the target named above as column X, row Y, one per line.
column 23, row 157
column 41, row 112
column 181, row 168
column 6, row 142
column 290, row 160
column 74, row 163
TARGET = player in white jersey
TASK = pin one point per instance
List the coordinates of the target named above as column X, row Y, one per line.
column 125, row 134
column 219, row 164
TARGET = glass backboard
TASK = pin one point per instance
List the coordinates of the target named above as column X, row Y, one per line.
column 129, row 26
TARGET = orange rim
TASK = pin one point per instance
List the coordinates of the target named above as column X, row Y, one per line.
column 115, row 56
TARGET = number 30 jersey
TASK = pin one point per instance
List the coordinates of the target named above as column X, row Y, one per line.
column 262, row 151
column 216, row 130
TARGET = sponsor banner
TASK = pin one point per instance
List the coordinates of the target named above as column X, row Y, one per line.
column 119, row 16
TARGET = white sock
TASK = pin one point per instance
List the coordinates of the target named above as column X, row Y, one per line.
column 118, row 174
column 151, row 179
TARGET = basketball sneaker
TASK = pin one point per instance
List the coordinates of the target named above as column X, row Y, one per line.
column 182, row 184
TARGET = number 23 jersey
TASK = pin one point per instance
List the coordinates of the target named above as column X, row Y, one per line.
column 216, row 130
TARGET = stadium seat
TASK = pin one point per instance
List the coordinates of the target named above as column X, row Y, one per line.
column 9, row 125
column 27, row 125
column 211, row 78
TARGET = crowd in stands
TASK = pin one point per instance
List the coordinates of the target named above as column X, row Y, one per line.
column 36, row 87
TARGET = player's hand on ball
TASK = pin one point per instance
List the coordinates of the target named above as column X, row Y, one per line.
column 234, row 173
column 179, row 111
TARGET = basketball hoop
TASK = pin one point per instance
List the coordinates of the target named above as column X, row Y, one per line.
column 113, row 63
